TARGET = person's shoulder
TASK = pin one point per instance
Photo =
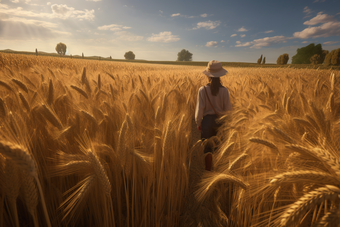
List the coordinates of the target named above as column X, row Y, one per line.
column 201, row 89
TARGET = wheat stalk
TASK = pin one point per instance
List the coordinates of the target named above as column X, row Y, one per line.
column 31, row 195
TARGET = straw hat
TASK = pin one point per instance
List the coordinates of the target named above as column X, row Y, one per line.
column 214, row 69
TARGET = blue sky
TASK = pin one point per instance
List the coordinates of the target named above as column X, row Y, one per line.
column 233, row 31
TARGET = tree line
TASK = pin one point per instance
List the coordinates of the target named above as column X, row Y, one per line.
column 183, row 55
column 311, row 54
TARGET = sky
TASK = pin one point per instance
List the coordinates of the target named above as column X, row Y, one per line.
column 224, row 30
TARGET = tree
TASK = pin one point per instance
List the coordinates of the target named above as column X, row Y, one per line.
column 315, row 59
column 333, row 58
column 61, row 48
column 184, row 55
column 259, row 60
column 282, row 59
column 264, row 61
column 82, row 55
column 36, row 51
column 304, row 54
column 129, row 55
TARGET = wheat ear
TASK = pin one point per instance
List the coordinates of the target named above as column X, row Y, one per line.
column 3, row 108
column 19, row 155
column 267, row 143
column 5, row 85
column 51, row 117
column 237, row 160
column 24, row 102
column 80, row 91
column 100, row 173
column 306, row 176
column 292, row 214
column 21, row 85
column 331, row 218
column 50, row 93
column 211, row 179
column 284, row 135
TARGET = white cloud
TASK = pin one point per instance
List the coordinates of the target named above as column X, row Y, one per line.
column 243, row 35
column 127, row 36
column 175, row 15
column 204, row 15
column 211, row 44
column 233, row 35
column 222, row 41
column 93, row 0
column 113, row 27
column 58, row 11
column 307, row 11
column 270, row 31
column 15, row 1
column 208, row 24
column 163, row 37
column 325, row 30
column 304, row 42
column 17, row 28
column 160, row 11
column 267, row 41
column 242, row 29
column 331, row 42
column 48, row 3
column 320, row 19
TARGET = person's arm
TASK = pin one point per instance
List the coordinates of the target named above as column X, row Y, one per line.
column 227, row 104
column 200, row 105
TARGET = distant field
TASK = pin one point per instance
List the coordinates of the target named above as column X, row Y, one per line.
column 194, row 63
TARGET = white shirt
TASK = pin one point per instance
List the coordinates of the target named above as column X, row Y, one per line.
column 221, row 103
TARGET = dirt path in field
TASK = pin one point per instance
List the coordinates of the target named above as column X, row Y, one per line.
column 195, row 213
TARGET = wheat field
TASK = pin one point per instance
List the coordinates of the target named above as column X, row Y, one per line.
column 91, row 143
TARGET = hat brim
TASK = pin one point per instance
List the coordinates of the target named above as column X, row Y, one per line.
column 220, row 73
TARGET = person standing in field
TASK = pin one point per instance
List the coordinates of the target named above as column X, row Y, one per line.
column 212, row 102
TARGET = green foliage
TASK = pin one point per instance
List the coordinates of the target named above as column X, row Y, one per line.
column 264, row 61
column 61, row 48
column 282, row 59
column 259, row 60
column 129, row 55
column 184, row 55
column 304, row 54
